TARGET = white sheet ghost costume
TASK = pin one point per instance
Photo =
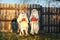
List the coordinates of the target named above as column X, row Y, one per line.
column 34, row 18
column 23, row 23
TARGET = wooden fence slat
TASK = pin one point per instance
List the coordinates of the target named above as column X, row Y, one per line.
column 5, row 26
column 7, row 5
column 4, row 5
column 1, row 5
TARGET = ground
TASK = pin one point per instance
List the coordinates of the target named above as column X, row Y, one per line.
column 41, row 36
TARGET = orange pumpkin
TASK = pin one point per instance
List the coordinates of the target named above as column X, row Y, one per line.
column 33, row 19
column 23, row 19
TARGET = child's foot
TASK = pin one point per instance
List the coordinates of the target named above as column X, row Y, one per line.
column 31, row 33
column 26, row 34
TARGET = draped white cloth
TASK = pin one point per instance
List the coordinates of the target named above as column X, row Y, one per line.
column 34, row 24
column 23, row 25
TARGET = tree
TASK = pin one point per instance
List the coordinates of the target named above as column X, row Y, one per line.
column 23, row 1
column 57, row 0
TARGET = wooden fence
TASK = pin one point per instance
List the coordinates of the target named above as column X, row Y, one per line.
column 49, row 17
column 9, row 12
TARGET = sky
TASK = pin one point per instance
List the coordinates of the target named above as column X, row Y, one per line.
column 44, row 3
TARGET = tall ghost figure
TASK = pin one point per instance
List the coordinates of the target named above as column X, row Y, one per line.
column 34, row 18
column 23, row 23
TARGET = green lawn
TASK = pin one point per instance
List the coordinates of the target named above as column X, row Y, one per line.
column 14, row 36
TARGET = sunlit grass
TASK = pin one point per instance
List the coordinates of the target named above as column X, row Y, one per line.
column 14, row 36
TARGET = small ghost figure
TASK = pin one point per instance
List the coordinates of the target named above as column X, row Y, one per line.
column 34, row 18
column 23, row 23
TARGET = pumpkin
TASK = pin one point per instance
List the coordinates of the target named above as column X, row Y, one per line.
column 33, row 19
column 23, row 19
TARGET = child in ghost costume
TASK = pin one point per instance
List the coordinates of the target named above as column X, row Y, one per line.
column 23, row 23
column 34, row 18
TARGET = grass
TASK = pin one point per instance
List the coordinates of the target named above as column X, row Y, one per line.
column 14, row 36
